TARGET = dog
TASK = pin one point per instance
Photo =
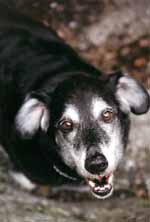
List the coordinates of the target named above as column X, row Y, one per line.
column 61, row 119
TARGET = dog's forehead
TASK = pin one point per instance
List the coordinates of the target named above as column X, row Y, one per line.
column 91, row 108
column 72, row 112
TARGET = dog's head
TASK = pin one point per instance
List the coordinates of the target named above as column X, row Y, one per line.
column 88, row 121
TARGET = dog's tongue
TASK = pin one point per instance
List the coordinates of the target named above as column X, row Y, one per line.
column 100, row 187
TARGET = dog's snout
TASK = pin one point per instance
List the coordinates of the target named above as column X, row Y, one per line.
column 96, row 163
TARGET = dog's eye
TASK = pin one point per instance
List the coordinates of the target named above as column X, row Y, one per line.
column 66, row 125
column 107, row 116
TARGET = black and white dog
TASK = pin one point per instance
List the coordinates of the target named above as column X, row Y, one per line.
column 59, row 116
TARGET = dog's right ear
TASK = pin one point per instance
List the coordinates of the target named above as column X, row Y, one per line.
column 32, row 116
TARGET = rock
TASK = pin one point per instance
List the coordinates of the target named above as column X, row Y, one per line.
column 131, row 18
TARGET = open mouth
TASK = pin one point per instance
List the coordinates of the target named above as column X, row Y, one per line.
column 102, row 186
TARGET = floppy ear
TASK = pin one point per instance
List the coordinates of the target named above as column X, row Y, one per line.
column 32, row 115
column 131, row 95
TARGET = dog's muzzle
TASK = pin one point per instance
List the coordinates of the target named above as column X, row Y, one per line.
column 100, row 184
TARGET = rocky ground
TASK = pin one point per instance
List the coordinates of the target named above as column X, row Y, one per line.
column 111, row 34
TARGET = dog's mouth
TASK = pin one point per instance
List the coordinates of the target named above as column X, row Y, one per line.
column 101, row 187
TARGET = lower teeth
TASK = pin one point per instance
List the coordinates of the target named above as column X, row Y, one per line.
column 107, row 186
column 104, row 188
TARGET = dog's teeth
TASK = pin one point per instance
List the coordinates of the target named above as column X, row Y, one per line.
column 91, row 183
column 100, row 188
column 97, row 188
column 107, row 186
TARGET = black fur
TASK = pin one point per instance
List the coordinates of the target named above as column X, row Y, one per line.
column 35, row 62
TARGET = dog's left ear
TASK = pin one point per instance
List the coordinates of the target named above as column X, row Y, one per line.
column 32, row 116
column 130, row 94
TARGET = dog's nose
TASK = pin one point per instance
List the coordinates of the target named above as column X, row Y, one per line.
column 96, row 164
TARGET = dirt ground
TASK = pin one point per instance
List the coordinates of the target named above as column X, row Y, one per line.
column 111, row 34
